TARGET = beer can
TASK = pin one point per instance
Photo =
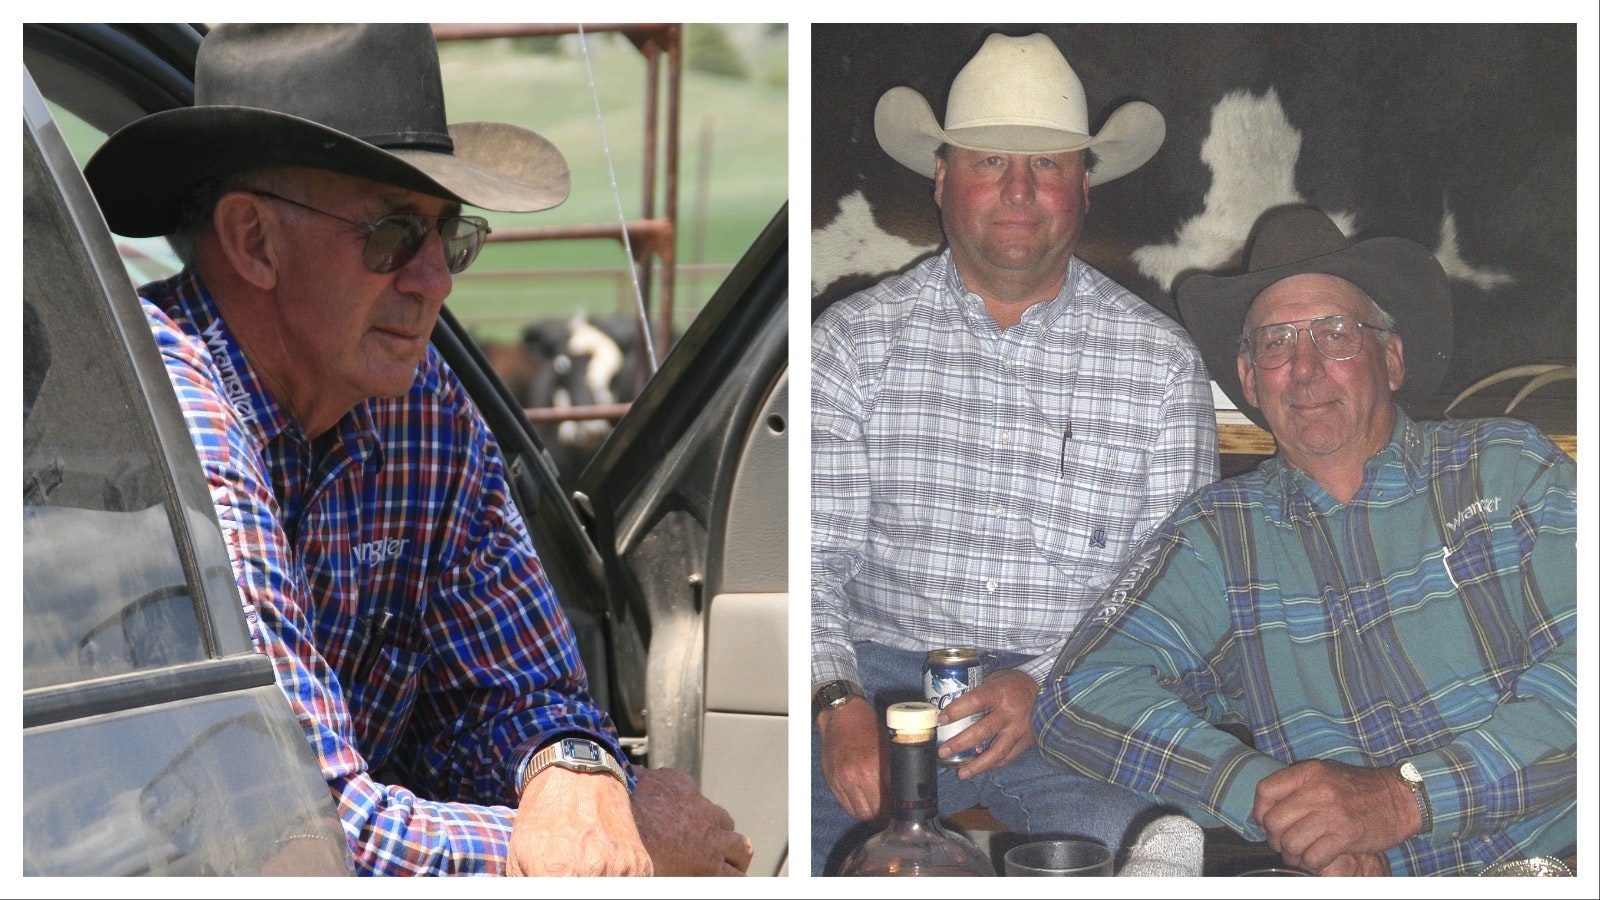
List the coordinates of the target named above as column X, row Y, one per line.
column 947, row 674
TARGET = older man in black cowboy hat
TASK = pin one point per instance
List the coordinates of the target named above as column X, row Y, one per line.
column 991, row 433
column 314, row 192
column 1388, row 606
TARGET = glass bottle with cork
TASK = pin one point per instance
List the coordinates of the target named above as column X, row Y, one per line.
column 914, row 843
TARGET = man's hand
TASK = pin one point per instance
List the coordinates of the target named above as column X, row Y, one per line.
column 685, row 833
column 855, row 754
column 1358, row 864
column 1317, row 811
column 575, row 823
column 1008, row 695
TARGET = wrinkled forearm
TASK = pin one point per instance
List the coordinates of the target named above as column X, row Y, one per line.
column 1118, row 724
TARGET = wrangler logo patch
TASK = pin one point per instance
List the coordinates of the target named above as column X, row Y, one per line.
column 380, row 550
column 1480, row 508
column 238, row 395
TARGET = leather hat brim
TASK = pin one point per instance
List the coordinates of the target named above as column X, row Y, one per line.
column 142, row 172
column 1400, row 275
column 909, row 132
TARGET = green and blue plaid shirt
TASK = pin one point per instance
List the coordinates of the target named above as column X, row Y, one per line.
column 1433, row 618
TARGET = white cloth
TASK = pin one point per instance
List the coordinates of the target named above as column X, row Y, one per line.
column 1171, row 846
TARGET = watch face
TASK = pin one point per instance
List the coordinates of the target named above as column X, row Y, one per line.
column 1409, row 772
column 581, row 750
column 831, row 695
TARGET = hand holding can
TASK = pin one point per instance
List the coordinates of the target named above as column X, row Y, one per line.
column 947, row 673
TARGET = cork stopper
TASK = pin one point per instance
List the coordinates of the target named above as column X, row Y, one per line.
column 912, row 721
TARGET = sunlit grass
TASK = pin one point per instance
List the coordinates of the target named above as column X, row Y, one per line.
column 732, row 173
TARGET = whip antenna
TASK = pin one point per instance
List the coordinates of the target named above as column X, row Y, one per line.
column 616, row 193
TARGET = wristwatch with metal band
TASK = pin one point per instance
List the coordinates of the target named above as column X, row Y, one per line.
column 577, row 754
column 1419, row 792
column 833, row 694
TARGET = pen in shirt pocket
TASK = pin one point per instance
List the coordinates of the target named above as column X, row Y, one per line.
column 1066, row 435
column 377, row 632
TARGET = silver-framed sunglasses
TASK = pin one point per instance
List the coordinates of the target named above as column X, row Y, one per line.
column 394, row 240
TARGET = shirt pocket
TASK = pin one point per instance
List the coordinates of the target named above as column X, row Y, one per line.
column 388, row 671
column 1083, row 522
column 381, row 704
column 1488, row 586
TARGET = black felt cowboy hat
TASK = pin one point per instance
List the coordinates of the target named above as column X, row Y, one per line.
column 1400, row 275
column 363, row 100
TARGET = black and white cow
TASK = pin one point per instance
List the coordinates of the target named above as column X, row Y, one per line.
column 571, row 362
column 1460, row 137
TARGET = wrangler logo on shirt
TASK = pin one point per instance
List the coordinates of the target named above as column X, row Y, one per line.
column 1481, row 507
column 237, row 394
column 377, row 551
column 1117, row 597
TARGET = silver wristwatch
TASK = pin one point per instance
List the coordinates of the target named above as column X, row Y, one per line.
column 577, row 754
column 833, row 694
column 1419, row 792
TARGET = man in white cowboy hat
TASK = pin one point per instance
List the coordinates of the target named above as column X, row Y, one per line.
column 1388, row 607
column 314, row 192
column 991, row 434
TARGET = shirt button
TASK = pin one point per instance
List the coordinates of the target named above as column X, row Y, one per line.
column 992, row 585
column 1005, row 438
column 996, row 511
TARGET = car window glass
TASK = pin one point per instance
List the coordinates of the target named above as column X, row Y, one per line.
column 146, row 259
column 104, row 589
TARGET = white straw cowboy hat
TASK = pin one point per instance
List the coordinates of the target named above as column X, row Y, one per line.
column 363, row 100
column 1400, row 275
column 1017, row 95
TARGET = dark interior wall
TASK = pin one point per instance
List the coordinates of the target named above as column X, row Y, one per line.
column 1398, row 124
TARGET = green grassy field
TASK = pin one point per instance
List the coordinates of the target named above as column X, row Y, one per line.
column 733, row 169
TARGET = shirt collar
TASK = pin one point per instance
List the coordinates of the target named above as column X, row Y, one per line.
column 1040, row 316
column 1398, row 465
column 1402, row 463
column 243, row 386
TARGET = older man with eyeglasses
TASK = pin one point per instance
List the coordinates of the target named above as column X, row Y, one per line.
column 314, row 193
column 1387, row 607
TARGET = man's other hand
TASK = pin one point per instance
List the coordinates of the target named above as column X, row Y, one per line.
column 1008, row 696
column 575, row 823
column 1316, row 811
column 1358, row 864
column 685, row 833
column 855, row 754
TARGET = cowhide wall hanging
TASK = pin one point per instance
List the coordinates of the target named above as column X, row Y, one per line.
column 1460, row 137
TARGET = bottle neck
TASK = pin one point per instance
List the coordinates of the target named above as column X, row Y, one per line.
column 913, row 781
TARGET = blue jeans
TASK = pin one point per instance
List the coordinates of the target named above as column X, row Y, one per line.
column 1030, row 795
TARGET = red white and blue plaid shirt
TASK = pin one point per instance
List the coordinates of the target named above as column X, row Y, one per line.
column 388, row 575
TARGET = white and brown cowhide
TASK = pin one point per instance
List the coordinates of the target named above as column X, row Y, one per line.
column 1460, row 137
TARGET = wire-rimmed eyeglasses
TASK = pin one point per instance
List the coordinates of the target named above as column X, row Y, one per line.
column 394, row 240
column 1336, row 337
